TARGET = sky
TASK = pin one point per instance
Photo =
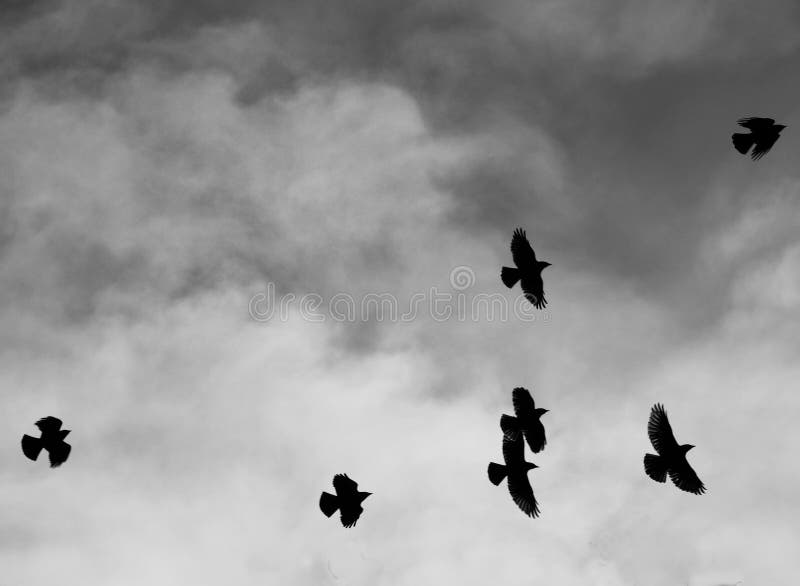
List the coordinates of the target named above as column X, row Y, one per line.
column 170, row 171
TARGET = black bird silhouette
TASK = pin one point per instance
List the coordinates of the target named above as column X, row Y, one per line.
column 527, row 420
column 51, row 439
column 528, row 271
column 516, row 469
column 763, row 134
column 347, row 500
column 671, row 457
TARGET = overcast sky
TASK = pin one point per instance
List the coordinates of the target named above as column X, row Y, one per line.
column 165, row 163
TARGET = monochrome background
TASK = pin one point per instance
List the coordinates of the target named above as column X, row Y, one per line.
column 163, row 162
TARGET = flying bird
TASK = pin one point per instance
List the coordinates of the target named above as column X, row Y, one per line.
column 671, row 458
column 528, row 271
column 347, row 500
column 516, row 469
column 527, row 421
column 51, row 439
column 763, row 134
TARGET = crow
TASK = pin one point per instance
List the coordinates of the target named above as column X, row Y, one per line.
column 52, row 440
column 347, row 500
column 528, row 271
column 527, row 420
column 671, row 457
column 763, row 134
column 516, row 469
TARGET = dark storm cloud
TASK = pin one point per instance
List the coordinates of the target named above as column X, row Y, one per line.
column 636, row 98
column 606, row 127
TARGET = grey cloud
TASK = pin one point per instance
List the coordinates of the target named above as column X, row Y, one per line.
column 159, row 163
column 622, row 137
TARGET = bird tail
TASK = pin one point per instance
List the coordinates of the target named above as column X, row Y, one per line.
column 496, row 473
column 510, row 427
column 656, row 467
column 509, row 276
column 31, row 446
column 328, row 503
column 743, row 142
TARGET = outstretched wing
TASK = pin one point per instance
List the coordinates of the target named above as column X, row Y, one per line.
column 685, row 478
column 50, row 423
column 660, row 431
column 344, row 484
column 533, row 288
column 756, row 124
column 524, row 404
column 521, row 249
column 520, row 489
column 513, row 450
column 762, row 147
column 535, row 436
column 59, row 454
column 350, row 515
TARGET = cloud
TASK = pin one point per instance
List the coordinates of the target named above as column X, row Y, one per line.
column 161, row 165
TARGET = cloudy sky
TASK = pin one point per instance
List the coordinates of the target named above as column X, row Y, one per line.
column 165, row 164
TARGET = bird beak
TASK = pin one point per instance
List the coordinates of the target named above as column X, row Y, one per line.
column 546, row 264
column 689, row 447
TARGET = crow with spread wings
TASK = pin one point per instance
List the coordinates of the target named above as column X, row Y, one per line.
column 527, row 421
column 516, row 469
column 347, row 500
column 528, row 271
column 671, row 458
column 51, row 440
column 763, row 134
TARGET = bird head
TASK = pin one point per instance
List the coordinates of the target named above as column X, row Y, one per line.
column 541, row 412
column 364, row 495
column 779, row 127
column 543, row 265
column 687, row 447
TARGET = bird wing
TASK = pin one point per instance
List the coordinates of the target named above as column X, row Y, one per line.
column 521, row 249
column 350, row 515
column 754, row 123
column 513, row 450
column 533, row 288
column 524, row 404
column 59, row 454
column 535, row 436
column 521, row 492
column 660, row 431
column 525, row 408
column 685, row 478
column 49, row 423
column 344, row 484
column 762, row 147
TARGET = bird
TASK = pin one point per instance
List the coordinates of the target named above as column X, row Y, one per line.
column 516, row 469
column 347, row 500
column 763, row 134
column 528, row 271
column 51, row 439
column 527, row 420
column 671, row 458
